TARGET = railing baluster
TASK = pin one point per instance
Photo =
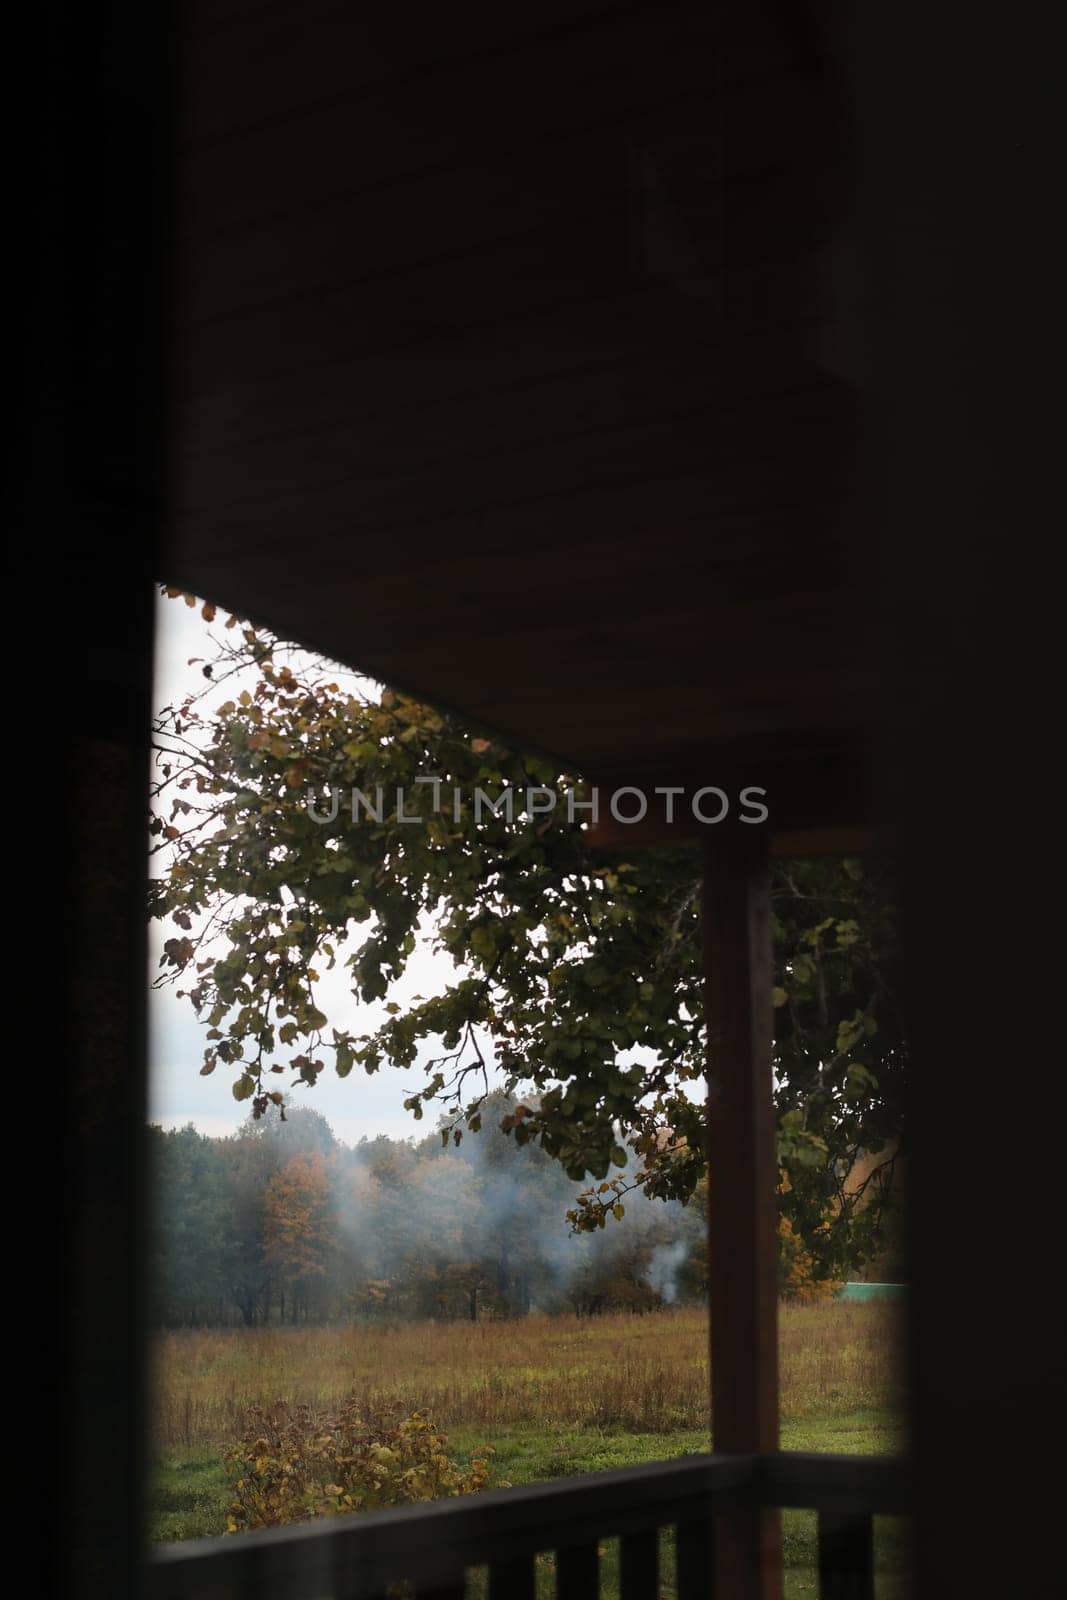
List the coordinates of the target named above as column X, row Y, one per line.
column 578, row 1573
column 694, row 1552
column 640, row 1565
column 846, row 1557
column 357, row 1558
column 456, row 1590
column 513, row 1580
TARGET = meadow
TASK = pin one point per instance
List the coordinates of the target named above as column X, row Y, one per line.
column 552, row 1396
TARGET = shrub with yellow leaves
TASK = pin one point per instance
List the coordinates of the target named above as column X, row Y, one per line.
column 293, row 1463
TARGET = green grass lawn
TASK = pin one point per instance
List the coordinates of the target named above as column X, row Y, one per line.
column 190, row 1486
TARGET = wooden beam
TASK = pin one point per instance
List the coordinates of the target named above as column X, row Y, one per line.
column 817, row 799
column 742, row 1180
column 841, row 839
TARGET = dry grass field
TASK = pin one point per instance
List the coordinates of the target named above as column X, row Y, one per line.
column 552, row 1396
column 640, row 1374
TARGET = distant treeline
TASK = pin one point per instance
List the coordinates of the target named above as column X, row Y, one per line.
column 283, row 1223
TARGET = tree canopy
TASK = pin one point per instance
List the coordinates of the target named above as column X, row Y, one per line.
column 577, row 973
column 278, row 1223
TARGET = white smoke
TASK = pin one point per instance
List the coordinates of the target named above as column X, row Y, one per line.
column 665, row 1264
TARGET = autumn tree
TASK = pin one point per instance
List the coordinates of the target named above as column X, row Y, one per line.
column 578, row 974
column 393, row 1228
column 299, row 1232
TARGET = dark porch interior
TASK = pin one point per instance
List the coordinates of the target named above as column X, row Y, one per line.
column 613, row 375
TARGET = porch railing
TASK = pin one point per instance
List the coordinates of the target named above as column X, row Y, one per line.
column 431, row 1546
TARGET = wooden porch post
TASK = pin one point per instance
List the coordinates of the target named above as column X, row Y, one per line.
column 100, row 480
column 742, row 1174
